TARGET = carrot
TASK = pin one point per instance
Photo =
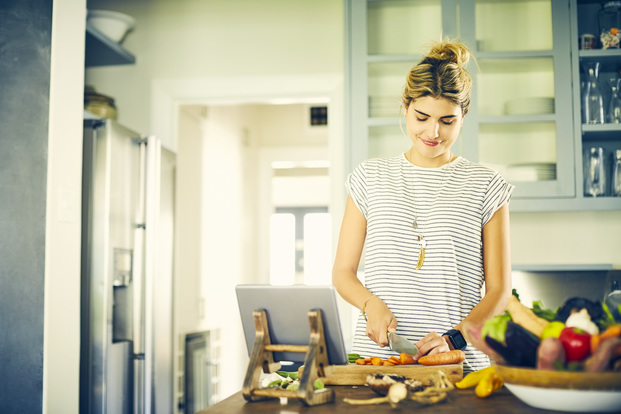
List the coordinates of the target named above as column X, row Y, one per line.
column 395, row 360
column 406, row 359
column 611, row 332
column 451, row 357
column 388, row 363
column 360, row 361
column 376, row 361
column 595, row 341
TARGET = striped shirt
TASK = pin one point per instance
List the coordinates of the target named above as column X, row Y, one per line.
column 451, row 204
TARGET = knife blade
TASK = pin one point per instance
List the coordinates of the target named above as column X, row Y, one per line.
column 401, row 345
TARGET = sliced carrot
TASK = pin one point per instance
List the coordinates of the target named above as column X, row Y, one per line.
column 406, row 358
column 376, row 361
column 395, row 360
column 360, row 361
column 388, row 363
column 454, row 356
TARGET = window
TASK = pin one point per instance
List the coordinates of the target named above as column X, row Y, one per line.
column 301, row 246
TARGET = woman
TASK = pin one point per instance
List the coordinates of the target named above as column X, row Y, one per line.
column 436, row 226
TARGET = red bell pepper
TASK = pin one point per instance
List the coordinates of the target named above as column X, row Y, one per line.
column 576, row 342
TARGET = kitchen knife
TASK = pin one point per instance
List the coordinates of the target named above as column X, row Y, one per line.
column 401, row 345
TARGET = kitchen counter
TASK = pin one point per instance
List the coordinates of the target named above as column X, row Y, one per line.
column 459, row 401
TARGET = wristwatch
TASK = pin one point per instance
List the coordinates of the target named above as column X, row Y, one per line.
column 456, row 338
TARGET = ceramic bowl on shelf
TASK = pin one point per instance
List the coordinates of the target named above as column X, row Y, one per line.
column 587, row 392
column 113, row 24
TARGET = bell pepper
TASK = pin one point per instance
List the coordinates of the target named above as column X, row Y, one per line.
column 488, row 385
column 473, row 378
column 576, row 342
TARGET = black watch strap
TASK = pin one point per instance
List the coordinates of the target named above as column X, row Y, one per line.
column 457, row 339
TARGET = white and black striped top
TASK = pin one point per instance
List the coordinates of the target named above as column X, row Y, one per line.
column 451, row 204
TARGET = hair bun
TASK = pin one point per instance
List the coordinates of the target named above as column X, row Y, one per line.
column 450, row 51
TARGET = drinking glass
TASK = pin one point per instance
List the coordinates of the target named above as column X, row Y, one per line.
column 616, row 174
column 595, row 176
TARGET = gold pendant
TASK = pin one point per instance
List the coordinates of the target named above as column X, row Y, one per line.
column 421, row 252
column 421, row 258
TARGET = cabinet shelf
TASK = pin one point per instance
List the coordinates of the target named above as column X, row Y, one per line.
column 527, row 54
column 100, row 50
column 601, row 132
column 517, row 119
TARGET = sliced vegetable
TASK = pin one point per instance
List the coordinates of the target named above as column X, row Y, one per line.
column 454, row 356
column 406, row 359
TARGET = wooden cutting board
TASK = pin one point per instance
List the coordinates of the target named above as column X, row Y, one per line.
column 352, row 374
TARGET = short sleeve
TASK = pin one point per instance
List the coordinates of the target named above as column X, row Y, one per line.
column 498, row 193
column 356, row 186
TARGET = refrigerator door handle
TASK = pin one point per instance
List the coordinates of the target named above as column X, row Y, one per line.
column 147, row 241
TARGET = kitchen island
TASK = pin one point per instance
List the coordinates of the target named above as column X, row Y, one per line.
column 459, row 401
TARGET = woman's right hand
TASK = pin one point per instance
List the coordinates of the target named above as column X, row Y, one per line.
column 380, row 320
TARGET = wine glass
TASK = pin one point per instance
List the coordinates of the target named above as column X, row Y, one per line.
column 595, row 175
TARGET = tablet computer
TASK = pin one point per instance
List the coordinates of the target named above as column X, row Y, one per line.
column 287, row 310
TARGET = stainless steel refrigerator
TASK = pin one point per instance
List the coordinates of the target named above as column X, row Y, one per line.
column 127, row 266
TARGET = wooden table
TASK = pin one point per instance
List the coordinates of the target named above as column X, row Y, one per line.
column 460, row 401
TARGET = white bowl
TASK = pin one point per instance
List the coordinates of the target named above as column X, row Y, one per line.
column 587, row 392
column 582, row 401
column 113, row 24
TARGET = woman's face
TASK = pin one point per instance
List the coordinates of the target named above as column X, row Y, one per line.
column 433, row 125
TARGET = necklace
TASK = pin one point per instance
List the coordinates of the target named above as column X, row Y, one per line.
column 420, row 237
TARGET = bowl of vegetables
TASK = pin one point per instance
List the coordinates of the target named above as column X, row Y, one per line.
column 568, row 359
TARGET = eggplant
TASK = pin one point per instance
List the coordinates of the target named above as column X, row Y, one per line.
column 518, row 347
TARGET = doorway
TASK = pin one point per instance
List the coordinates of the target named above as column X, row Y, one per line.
column 235, row 163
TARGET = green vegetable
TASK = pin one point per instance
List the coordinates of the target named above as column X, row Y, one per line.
column 285, row 374
column 318, row 384
column 539, row 310
column 495, row 328
column 351, row 358
column 293, row 386
column 275, row 383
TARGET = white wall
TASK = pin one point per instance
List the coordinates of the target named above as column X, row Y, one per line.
column 61, row 355
column 236, row 39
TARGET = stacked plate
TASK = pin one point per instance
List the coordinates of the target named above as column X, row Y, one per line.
column 538, row 171
column 384, row 107
column 530, row 106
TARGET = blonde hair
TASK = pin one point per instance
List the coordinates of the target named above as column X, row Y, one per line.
column 441, row 74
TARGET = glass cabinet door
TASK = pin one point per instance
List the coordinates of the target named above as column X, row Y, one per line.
column 521, row 112
column 386, row 38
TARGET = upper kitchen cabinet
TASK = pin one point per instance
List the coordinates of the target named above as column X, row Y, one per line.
column 525, row 94
column 385, row 39
column 596, row 64
column 521, row 104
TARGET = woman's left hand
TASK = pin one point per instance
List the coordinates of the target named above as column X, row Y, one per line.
column 431, row 344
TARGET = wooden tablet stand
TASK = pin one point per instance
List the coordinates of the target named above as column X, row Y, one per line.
column 262, row 359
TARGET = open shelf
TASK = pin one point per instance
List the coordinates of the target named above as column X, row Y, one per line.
column 101, row 51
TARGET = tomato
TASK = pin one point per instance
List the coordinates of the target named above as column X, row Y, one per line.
column 576, row 342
